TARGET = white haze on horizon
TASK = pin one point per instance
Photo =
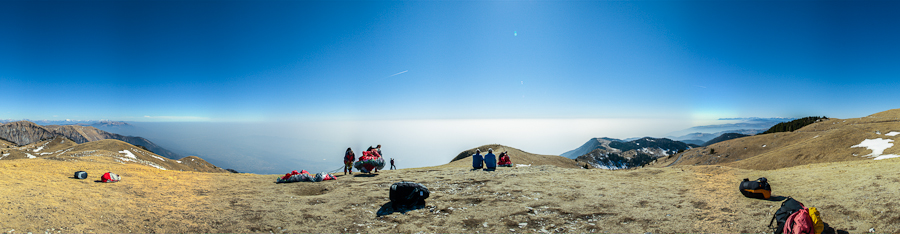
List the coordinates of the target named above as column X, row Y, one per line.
column 274, row 148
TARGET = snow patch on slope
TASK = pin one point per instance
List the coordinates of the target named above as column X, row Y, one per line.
column 29, row 155
column 155, row 165
column 892, row 134
column 128, row 154
column 887, row 156
column 151, row 155
column 877, row 146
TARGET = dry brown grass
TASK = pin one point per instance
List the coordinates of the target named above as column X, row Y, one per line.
column 4, row 144
column 40, row 196
column 63, row 149
column 826, row 141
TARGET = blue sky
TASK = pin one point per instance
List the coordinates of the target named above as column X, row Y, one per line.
column 258, row 61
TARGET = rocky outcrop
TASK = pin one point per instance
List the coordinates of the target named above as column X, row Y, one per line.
column 25, row 132
column 600, row 158
column 609, row 153
column 594, row 143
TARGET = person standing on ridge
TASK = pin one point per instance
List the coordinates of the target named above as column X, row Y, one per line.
column 392, row 164
column 378, row 148
column 477, row 160
column 490, row 160
column 349, row 157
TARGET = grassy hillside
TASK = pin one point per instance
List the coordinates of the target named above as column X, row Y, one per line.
column 6, row 144
column 517, row 156
column 26, row 133
column 824, row 141
column 724, row 137
column 64, row 149
column 524, row 199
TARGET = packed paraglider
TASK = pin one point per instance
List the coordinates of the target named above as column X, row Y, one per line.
column 371, row 161
column 304, row 176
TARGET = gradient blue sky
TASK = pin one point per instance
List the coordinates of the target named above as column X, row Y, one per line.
column 377, row 60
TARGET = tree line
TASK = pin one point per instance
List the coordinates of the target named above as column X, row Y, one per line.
column 793, row 125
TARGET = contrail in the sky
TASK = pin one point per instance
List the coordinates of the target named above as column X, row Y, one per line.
column 398, row 73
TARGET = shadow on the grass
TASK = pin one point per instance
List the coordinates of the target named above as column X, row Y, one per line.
column 829, row 230
column 388, row 208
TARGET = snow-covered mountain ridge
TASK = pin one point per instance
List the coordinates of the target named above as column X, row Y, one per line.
column 610, row 153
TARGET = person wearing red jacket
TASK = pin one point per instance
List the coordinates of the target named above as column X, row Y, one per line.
column 349, row 157
column 504, row 160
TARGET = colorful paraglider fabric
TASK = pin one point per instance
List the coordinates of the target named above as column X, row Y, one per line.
column 304, row 176
column 368, row 164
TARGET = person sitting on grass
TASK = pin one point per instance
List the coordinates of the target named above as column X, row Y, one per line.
column 490, row 161
column 504, row 160
column 477, row 160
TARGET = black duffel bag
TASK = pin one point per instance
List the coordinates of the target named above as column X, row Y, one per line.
column 408, row 195
column 80, row 175
column 756, row 189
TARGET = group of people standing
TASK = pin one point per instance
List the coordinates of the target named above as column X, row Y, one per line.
column 350, row 157
column 489, row 160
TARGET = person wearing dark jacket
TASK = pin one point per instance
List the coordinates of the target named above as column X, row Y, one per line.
column 490, row 160
column 477, row 160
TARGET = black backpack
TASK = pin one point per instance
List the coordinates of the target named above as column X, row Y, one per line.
column 80, row 175
column 788, row 207
column 408, row 194
column 756, row 189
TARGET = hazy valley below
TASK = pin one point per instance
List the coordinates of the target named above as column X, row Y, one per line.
column 274, row 148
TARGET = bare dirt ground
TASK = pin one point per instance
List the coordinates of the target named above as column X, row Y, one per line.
column 39, row 195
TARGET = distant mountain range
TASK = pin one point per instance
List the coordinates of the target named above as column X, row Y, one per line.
column 94, row 123
column 611, row 153
column 699, row 138
column 26, row 132
column 747, row 124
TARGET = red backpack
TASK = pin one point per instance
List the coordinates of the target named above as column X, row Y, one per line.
column 799, row 222
column 109, row 178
